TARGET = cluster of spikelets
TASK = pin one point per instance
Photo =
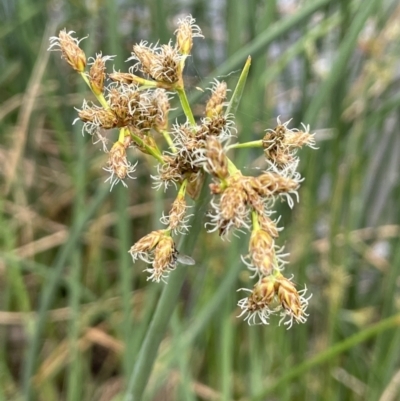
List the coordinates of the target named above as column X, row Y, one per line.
column 137, row 103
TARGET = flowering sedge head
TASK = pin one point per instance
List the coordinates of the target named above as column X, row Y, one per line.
column 163, row 106
column 281, row 143
column 139, row 106
column 97, row 73
column 161, row 63
column 229, row 210
column 177, row 220
column 69, row 47
column 273, row 295
column 118, row 165
column 95, row 117
column 216, row 103
column 216, row 161
column 187, row 30
column 261, row 252
column 157, row 249
column 240, row 194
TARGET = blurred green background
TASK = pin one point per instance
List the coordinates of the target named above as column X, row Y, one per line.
column 74, row 310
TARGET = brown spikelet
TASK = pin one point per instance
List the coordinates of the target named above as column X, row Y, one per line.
column 297, row 139
column 117, row 160
column 288, row 296
column 145, row 56
column 71, row 51
column 164, row 254
column 213, row 126
column 163, row 107
column 195, row 183
column 162, row 66
column 185, row 33
column 264, row 290
column 177, row 212
column 280, row 157
column 184, row 39
column 261, row 251
column 268, row 225
column 104, row 118
column 97, row 75
column 147, row 243
column 215, row 104
column 122, row 77
column 233, row 202
column 269, row 184
column 217, row 164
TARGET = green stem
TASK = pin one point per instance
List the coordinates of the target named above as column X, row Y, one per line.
column 154, row 152
column 185, row 105
column 166, row 305
column 122, row 133
column 47, row 295
column 100, row 97
column 168, row 138
column 252, row 144
column 182, row 189
column 330, row 353
column 254, row 220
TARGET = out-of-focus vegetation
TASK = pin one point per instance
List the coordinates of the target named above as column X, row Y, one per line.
column 75, row 310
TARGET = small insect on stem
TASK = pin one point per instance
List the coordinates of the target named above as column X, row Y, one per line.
column 184, row 259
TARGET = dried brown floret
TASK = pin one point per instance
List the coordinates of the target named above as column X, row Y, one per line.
column 69, row 47
column 215, row 104
column 97, row 74
column 103, row 118
column 216, row 164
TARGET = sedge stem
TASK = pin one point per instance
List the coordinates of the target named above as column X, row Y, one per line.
column 185, row 105
column 99, row 97
column 252, row 144
column 123, row 132
column 152, row 151
column 182, row 189
column 169, row 141
column 254, row 220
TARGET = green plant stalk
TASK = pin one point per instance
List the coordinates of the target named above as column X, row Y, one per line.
column 99, row 97
column 168, row 139
column 74, row 383
column 49, row 289
column 40, row 270
column 254, row 220
column 154, row 152
column 185, row 105
column 330, row 353
column 186, row 392
column 155, row 334
column 197, row 325
column 245, row 145
column 169, row 297
column 226, row 345
column 125, row 276
column 237, row 94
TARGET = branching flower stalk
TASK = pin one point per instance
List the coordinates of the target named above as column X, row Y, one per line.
column 137, row 103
